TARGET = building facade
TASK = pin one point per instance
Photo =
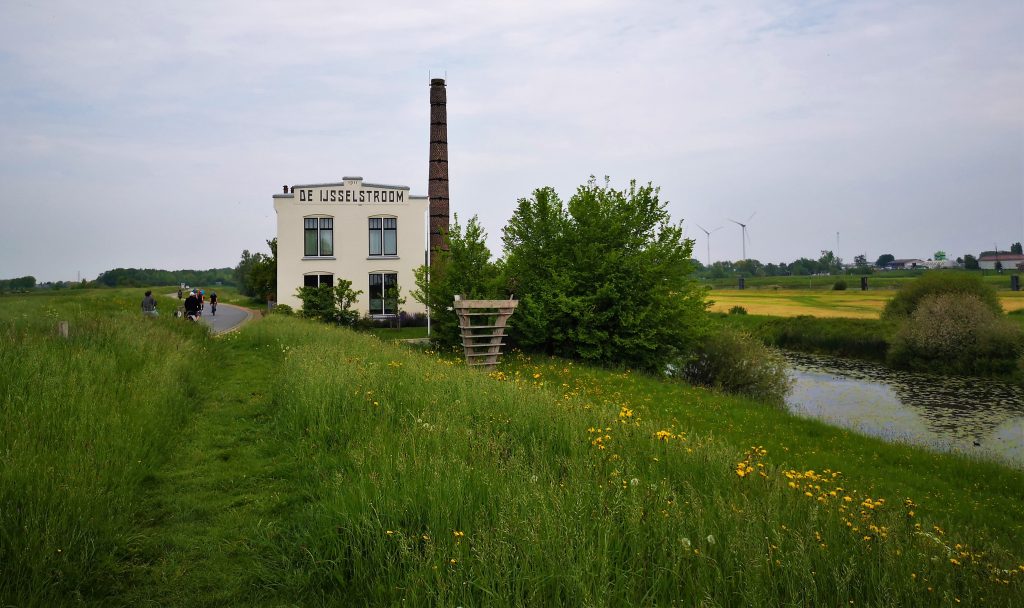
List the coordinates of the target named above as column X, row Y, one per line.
column 373, row 235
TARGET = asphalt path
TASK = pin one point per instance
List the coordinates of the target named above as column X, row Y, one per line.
column 228, row 316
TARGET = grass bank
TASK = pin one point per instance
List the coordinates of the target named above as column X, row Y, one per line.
column 320, row 466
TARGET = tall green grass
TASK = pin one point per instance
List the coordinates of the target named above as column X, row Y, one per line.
column 404, row 477
column 435, row 484
column 861, row 338
column 83, row 421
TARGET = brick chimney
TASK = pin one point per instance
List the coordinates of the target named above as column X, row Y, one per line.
column 437, row 186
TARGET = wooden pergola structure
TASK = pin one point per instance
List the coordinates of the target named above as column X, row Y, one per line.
column 482, row 324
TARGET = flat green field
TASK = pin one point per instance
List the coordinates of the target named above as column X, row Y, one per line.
column 853, row 304
column 146, row 463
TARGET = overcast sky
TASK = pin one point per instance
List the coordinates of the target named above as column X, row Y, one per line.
column 143, row 134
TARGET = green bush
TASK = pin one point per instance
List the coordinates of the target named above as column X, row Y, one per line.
column 839, row 285
column 736, row 362
column 330, row 304
column 605, row 278
column 283, row 309
column 936, row 282
column 957, row 333
column 737, row 310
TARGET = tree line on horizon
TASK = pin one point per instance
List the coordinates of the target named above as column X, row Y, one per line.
column 827, row 263
column 151, row 277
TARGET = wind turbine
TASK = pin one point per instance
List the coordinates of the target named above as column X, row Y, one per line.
column 709, row 240
column 743, row 226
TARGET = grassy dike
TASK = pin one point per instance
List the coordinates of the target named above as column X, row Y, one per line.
column 296, row 464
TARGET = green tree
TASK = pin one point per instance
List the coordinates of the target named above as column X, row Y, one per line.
column 256, row 273
column 939, row 256
column 465, row 269
column 884, row 259
column 1017, row 248
column 828, row 262
column 970, row 262
column 605, row 279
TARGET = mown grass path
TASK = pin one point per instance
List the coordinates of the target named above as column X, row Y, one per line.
column 224, row 485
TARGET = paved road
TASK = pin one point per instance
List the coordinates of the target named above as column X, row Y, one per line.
column 228, row 316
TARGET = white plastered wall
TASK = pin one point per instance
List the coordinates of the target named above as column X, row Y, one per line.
column 351, row 259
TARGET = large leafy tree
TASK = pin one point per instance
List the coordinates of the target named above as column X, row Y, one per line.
column 884, row 259
column 605, row 278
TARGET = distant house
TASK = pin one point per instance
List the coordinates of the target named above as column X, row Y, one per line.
column 934, row 264
column 905, row 264
column 987, row 261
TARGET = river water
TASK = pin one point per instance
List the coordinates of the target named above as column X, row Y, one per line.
column 950, row 413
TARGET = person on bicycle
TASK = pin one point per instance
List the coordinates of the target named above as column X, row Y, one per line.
column 192, row 306
column 213, row 303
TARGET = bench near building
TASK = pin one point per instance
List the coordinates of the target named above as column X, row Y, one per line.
column 374, row 235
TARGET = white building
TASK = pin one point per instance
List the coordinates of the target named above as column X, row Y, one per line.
column 1007, row 260
column 371, row 234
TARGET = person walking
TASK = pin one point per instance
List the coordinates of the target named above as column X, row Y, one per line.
column 149, row 305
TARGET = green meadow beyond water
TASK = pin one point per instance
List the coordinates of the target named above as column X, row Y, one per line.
column 146, row 462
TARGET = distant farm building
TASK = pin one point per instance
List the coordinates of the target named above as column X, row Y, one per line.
column 1009, row 261
column 905, row 264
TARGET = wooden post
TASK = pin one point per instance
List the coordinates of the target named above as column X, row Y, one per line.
column 482, row 324
column 62, row 329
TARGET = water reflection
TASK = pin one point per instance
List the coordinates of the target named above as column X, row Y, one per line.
column 970, row 415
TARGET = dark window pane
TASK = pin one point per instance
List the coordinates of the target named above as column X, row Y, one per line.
column 311, row 242
column 376, row 294
column 390, row 240
column 327, row 279
column 326, row 223
column 375, row 247
column 390, row 305
column 391, row 222
column 375, row 223
column 310, row 222
column 326, row 242
column 309, row 280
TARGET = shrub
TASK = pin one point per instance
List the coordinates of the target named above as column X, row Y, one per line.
column 957, row 333
column 330, row 305
column 910, row 295
column 737, row 310
column 839, row 285
column 605, row 278
column 736, row 362
column 283, row 309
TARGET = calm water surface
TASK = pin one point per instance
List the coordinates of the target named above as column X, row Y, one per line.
column 969, row 415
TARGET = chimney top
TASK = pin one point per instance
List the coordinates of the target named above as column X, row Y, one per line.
column 436, row 82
